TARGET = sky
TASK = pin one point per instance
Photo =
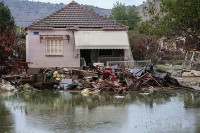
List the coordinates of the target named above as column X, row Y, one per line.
column 108, row 4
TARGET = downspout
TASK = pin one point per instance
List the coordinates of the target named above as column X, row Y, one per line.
column 74, row 56
column 73, row 43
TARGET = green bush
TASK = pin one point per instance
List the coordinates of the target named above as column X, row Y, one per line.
column 178, row 63
column 161, row 68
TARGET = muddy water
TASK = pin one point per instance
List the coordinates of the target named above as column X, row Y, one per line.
column 64, row 112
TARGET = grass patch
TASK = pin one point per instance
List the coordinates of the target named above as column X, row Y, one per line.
column 178, row 63
column 160, row 68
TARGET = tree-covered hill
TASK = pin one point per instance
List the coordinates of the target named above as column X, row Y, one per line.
column 25, row 11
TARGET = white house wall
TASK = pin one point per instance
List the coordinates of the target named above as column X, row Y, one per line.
column 35, row 51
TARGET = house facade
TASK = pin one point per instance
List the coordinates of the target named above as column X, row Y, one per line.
column 75, row 35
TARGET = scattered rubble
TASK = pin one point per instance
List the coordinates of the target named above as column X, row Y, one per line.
column 25, row 87
column 93, row 80
column 114, row 79
column 190, row 73
column 9, row 86
column 191, row 64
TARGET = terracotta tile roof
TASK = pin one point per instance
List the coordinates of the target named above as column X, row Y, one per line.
column 73, row 16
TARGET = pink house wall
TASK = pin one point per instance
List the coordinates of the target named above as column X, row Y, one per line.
column 35, row 51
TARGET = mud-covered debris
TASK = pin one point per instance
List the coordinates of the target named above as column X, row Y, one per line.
column 25, row 87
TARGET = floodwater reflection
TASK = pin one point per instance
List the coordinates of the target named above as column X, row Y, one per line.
column 6, row 122
column 53, row 111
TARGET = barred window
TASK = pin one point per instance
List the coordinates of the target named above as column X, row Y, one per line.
column 54, row 46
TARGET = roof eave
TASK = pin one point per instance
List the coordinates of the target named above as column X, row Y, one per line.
column 39, row 28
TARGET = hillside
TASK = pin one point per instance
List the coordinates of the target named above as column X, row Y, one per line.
column 25, row 12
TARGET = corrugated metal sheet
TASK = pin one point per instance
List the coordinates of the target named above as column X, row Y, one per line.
column 101, row 40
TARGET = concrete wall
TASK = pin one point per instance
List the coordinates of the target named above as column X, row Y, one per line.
column 35, row 51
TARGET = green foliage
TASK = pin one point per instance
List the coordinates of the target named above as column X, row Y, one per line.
column 120, row 14
column 7, row 32
column 133, row 17
column 160, row 68
column 20, row 30
column 171, row 17
column 146, row 27
column 178, row 63
column 86, row 6
column 159, row 26
column 7, row 22
column 106, row 16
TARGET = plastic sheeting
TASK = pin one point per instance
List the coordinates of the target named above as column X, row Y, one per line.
column 65, row 83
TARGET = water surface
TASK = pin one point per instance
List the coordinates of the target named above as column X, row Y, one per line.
column 65, row 112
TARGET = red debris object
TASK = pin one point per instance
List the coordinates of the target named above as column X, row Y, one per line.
column 106, row 75
column 97, row 67
column 113, row 77
column 20, row 65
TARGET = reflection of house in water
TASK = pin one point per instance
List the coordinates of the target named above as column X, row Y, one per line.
column 50, row 111
column 73, row 34
column 75, row 113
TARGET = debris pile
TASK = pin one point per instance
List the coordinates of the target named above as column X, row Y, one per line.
column 10, row 86
column 115, row 79
column 132, row 80
column 93, row 79
column 25, row 87
column 7, row 87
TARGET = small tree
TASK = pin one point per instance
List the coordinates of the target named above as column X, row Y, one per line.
column 7, row 32
column 128, row 17
column 175, row 16
column 86, row 6
column 133, row 17
column 172, row 18
column 119, row 13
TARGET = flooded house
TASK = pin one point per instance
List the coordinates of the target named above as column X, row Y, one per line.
column 75, row 35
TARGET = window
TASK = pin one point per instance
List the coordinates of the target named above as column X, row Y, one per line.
column 54, row 46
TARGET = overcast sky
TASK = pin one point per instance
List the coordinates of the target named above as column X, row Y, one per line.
column 100, row 3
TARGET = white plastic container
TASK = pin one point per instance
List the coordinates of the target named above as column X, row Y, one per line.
column 101, row 65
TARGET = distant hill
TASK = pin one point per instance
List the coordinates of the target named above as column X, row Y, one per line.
column 26, row 12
